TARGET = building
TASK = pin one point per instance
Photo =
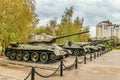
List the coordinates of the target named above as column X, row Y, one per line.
column 107, row 29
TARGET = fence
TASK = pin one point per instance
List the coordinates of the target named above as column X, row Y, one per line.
column 60, row 67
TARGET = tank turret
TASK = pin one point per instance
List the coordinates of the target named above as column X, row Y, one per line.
column 48, row 38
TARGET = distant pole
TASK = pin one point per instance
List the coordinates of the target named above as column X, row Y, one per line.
column 90, row 56
column 100, row 52
column 97, row 54
column 61, row 68
column 33, row 74
column 85, row 58
column 94, row 55
column 76, row 62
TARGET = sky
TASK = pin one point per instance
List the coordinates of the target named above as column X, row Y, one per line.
column 93, row 11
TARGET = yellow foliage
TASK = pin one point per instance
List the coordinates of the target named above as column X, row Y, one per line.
column 17, row 19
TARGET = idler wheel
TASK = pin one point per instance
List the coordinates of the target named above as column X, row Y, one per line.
column 44, row 57
column 53, row 56
column 76, row 52
column 35, row 56
column 19, row 56
column 26, row 56
column 12, row 55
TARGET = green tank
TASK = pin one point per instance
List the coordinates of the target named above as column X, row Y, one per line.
column 39, row 48
column 79, row 48
column 75, row 47
column 97, row 45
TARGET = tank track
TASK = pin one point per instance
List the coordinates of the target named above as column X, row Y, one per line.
column 42, row 56
column 76, row 51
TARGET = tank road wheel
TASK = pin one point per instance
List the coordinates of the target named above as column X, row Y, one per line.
column 53, row 56
column 7, row 54
column 26, row 56
column 76, row 52
column 12, row 55
column 19, row 56
column 34, row 56
column 82, row 51
column 44, row 57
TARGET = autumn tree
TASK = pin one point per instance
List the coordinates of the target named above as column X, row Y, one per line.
column 69, row 26
column 48, row 29
column 17, row 20
column 43, row 29
column 53, row 25
column 66, row 26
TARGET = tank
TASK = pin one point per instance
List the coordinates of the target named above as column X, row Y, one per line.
column 97, row 45
column 79, row 48
column 74, row 47
column 39, row 48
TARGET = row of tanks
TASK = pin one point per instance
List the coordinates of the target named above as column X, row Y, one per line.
column 41, row 48
column 80, row 48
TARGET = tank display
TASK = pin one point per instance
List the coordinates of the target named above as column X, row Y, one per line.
column 39, row 48
column 74, row 47
column 79, row 48
column 100, row 45
column 97, row 45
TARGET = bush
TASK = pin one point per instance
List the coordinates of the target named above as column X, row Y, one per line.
column 117, row 47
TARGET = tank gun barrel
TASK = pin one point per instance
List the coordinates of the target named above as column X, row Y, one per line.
column 94, row 42
column 100, row 41
column 44, row 38
column 70, row 35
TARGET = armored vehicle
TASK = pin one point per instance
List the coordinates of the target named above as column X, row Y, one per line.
column 74, row 47
column 97, row 45
column 79, row 48
column 100, row 45
column 38, row 48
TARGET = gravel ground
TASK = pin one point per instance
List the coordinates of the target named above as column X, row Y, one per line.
column 106, row 67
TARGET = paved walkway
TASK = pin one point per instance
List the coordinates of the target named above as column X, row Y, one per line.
column 106, row 67
column 3, row 77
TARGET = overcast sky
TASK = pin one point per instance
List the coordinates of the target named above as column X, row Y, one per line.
column 93, row 11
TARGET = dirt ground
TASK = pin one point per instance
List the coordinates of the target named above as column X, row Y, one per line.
column 106, row 67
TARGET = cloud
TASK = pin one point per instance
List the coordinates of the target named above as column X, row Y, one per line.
column 93, row 11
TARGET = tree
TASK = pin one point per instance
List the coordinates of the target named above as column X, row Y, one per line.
column 66, row 26
column 48, row 29
column 43, row 29
column 17, row 20
column 69, row 26
column 67, row 16
column 53, row 25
